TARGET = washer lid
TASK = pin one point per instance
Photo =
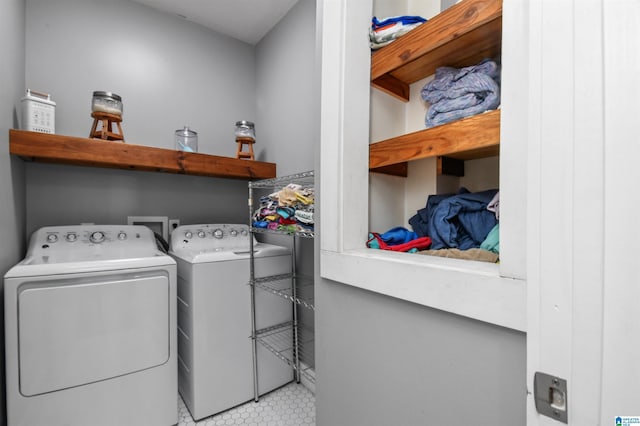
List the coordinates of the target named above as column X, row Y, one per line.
column 210, row 237
column 220, row 255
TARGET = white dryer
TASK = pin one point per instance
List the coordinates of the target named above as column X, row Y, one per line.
column 90, row 329
column 215, row 367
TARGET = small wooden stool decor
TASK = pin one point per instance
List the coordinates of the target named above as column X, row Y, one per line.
column 103, row 126
column 245, row 135
column 106, row 110
column 240, row 153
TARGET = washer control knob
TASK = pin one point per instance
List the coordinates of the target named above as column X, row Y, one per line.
column 188, row 234
column 201, row 234
column 244, row 233
column 234, row 233
column 122, row 235
column 218, row 233
column 52, row 238
column 97, row 237
column 71, row 237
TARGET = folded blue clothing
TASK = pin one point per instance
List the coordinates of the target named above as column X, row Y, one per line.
column 446, row 82
column 398, row 235
column 421, row 220
column 456, row 221
column 457, row 93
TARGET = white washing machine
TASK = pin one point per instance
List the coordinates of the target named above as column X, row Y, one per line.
column 215, row 364
column 90, row 329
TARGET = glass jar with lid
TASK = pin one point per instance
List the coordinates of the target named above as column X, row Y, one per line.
column 106, row 102
column 245, row 129
column 186, row 140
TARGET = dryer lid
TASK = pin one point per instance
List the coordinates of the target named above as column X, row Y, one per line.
column 86, row 248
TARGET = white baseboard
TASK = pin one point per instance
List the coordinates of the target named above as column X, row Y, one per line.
column 311, row 385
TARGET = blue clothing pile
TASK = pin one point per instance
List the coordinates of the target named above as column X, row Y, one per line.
column 456, row 221
column 456, row 93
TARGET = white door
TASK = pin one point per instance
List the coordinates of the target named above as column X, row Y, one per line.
column 582, row 236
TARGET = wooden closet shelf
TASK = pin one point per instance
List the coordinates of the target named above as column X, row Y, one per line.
column 470, row 138
column 98, row 153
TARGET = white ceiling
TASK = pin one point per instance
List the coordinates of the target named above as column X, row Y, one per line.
column 246, row 20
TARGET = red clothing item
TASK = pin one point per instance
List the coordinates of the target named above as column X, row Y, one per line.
column 289, row 221
column 419, row 243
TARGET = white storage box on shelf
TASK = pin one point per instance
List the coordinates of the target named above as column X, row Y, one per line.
column 38, row 112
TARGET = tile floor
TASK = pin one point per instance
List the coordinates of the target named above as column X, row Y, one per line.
column 291, row 405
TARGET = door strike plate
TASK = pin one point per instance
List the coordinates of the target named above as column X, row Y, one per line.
column 550, row 393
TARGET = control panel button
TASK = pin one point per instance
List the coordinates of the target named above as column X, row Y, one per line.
column 52, row 238
column 234, row 233
column 218, row 233
column 244, row 233
column 122, row 236
column 188, row 234
column 71, row 237
column 97, row 237
column 201, row 234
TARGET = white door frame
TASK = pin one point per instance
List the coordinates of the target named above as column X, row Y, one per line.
column 565, row 202
column 582, row 272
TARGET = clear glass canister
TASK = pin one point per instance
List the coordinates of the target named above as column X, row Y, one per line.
column 186, row 140
column 245, row 129
column 106, row 102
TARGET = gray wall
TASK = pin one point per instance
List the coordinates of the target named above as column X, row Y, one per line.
column 287, row 111
column 169, row 72
column 381, row 361
column 63, row 195
column 288, row 114
column 12, row 204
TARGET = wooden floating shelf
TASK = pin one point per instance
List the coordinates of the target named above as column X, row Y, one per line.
column 461, row 36
column 466, row 139
column 99, row 153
